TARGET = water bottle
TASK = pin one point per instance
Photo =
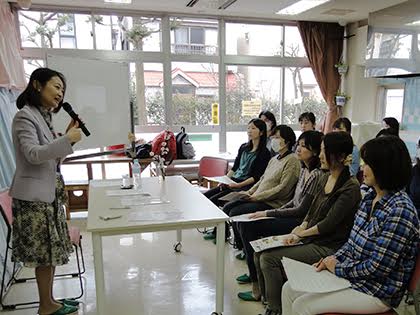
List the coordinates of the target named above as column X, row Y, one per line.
column 136, row 169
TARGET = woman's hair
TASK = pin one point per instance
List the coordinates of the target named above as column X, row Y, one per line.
column 31, row 96
column 392, row 123
column 387, row 132
column 260, row 124
column 270, row 116
column 309, row 116
column 312, row 140
column 342, row 121
column 338, row 145
column 389, row 160
column 287, row 134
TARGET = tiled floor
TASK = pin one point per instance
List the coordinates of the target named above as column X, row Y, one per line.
column 144, row 276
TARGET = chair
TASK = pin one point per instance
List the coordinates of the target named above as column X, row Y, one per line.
column 76, row 239
column 415, row 277
column 211, row 166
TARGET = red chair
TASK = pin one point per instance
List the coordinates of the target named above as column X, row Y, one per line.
column 211, row 166
column 411, row 287
column 76, row 239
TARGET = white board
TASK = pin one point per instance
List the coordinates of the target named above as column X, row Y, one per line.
column 99, row 93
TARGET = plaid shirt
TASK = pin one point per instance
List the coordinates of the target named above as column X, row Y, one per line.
column 380, row 254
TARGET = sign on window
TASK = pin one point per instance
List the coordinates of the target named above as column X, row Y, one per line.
column 251, row 108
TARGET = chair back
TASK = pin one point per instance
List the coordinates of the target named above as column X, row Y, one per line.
column 212, row 166
column 416, row 274
column 6, row 207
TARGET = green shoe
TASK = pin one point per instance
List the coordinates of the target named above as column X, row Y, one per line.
column 241, row 256
column 209, row 236
column 247, row 296
column 65, row 309
column 243, row 279
column 70, row 302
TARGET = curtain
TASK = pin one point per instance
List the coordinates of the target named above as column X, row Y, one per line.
column 324, row 45
column 12, row 74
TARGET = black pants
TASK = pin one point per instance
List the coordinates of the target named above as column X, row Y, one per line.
column 239, row 207
column 250, row 231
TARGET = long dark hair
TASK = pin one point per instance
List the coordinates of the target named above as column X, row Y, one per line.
column 31, row 96
column 338, row 145
column 312, row 140
column 260, row 124
column 270, row 116
column 393, row 123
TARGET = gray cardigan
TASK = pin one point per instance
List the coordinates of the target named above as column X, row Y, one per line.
column 36, row 153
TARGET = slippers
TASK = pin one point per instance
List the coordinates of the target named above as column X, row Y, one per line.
column 243, row 279
column 70, row 302
column 247, row 296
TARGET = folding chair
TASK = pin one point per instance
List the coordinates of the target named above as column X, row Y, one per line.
column 211, row 166
column 76, row 239
column 411, row 287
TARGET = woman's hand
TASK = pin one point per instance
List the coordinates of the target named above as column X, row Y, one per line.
column 330, row 263
column 234, row 185
column 258, row 214
column 292, row 239
column 74, row 134
column 320, row 265
column 297, row 230
column 73, row 123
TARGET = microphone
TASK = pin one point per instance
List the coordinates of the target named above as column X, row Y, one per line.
column 67, row 107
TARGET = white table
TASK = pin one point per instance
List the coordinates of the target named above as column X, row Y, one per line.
column 197, row 211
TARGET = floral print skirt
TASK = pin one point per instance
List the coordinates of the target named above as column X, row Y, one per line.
column 40, row 236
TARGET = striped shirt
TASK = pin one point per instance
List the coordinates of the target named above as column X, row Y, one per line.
column 380, row 254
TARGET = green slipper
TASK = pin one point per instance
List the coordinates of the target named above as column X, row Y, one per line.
column 65, row 309
column 70, row 302
column 241, row 256
column 209, row 236
column 247, row 296
column 243, row 279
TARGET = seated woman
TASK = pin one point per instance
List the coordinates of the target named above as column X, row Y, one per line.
column 380, row 254
column 277, row 186
column 344, row 124
column 249, row 165
column 325, row 228
column 413, row 189
column 270, row 120
column 288, row 216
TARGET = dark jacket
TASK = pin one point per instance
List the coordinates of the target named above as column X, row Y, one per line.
column 413, row 189
column 258, row 166
column 334, row 213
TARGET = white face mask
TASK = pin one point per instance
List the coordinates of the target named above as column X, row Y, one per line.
column 418, row 153
column 268, row 124
column 275, row 145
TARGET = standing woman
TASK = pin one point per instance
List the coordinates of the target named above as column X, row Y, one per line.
column 40, row 235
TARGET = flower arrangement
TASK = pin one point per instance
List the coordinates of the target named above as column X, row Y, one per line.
column 162, row 156
column 342, row 68
column 341, row 98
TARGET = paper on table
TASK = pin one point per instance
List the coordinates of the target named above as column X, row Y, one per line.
column 271, row 242
column 220, row 179
column 156, row 215
column 105, row 183
column 142, row 201
column 245, row 218
column 128, row 192
column 304, row 278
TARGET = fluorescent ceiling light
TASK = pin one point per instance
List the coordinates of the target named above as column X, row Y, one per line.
column 118, row 1
column 414, row 23
column 301, row 6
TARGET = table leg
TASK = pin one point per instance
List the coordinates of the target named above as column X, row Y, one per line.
column 99, row 273
column 220, row 267
column 178, row 244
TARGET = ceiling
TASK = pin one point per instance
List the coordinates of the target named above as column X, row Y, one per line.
column 343, row 11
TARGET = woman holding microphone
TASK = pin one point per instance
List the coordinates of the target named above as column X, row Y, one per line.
column 40, row 235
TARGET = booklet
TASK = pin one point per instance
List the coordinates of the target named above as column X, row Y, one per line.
column 246, row 218
column 234, row 195
column 220, row 179
column 271, row 242
column 304, row 278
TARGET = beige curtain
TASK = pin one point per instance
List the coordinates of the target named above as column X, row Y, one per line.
column 324, row 45
column 12, row 74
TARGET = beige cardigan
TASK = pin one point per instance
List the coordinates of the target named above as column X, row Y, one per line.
column 277, row 185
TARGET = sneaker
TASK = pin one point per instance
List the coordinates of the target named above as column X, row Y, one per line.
column 240, row 256
column 247, row 296
column 243, row 279
column 209, row 236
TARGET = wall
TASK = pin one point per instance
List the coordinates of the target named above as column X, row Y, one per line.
column 363, row 91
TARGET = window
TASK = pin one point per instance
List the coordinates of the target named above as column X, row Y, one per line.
column 302, row 94
column 146, row 93
column 293, row 42
column 386, row 46
column 251, row 89
column 195, row 87
column 394, row 100
column 194, row 37
column 67, row 31
column 255, row 40
column 30, row 65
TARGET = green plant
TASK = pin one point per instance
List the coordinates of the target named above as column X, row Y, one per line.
column 340, row 93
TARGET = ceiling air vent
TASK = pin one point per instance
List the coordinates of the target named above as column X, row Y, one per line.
column 226, row 4
column 191, row 3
